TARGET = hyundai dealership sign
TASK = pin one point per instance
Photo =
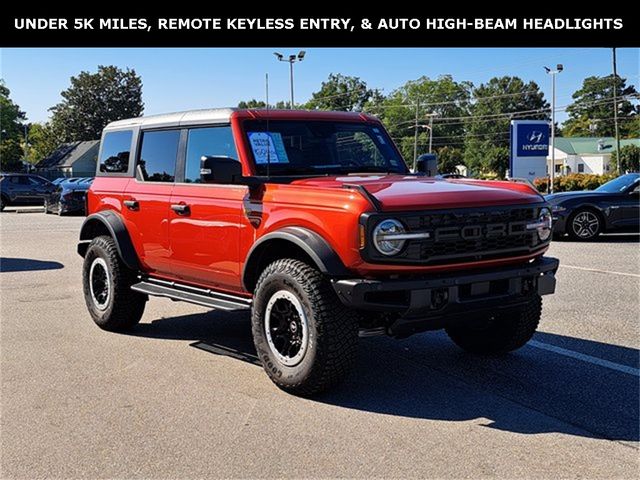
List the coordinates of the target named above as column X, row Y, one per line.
column 529, row 149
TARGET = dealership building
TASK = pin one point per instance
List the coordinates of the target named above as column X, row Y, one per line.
column 586, row 154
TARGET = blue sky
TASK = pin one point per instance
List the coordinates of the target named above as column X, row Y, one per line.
column 182, row 79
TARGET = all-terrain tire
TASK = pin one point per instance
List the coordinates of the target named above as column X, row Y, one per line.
column 121, row 308
column 500, row 333
column 332, row 328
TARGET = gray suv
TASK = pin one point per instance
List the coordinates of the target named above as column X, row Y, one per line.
column 23, row 189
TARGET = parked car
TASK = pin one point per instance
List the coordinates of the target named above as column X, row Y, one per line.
column 19, row 189
column 68, row 197
column 612, row 207
column 312, row 221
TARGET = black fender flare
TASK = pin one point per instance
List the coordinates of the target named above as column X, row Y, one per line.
column 114, row 225
column 310, row 242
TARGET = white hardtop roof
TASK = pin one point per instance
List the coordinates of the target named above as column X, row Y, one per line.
column 191, row 117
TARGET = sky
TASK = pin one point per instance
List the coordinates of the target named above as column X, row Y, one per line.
column 183, row 79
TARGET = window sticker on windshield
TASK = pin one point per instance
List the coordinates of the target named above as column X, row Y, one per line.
column 376, row 130
column 268, row 147
column 380, row 139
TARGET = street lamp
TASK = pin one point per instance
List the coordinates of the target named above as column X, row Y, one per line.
column 291, row 59
column 415, row 137
column 553, row 74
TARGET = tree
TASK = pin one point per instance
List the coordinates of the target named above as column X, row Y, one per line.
column 340, row 92
column 448, row 159
column 591, row 113
column 495, row 104
column 444, row 97
column 629, row 159
column 11, row 136
column 95, row 99
column 253, row 103
column 43, row 140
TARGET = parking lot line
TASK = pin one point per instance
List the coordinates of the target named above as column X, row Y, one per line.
column 597, row 270
column 586, row 358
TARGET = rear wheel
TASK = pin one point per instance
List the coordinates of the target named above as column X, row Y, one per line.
column 499, row 333
column 107, row 287
column 584, row 224
column 305, row 337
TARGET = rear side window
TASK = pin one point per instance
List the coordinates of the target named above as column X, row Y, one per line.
column 158, row 155
column 212, row 142
column 114, row 156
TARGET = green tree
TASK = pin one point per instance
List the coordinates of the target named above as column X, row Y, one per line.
column 11, row 136
column 342, row 93
column 495, row 104
column 629, row 159
column 443, row 97
column 253, row 103
column 591, row 113
column 95, row 99
column 448, row 159
column 43, row 140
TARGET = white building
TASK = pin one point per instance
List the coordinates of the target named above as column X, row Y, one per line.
column 585, row 154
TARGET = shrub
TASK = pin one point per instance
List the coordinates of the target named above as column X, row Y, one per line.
column 573, row 182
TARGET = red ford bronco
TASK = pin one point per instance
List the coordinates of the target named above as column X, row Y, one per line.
column 312, row 222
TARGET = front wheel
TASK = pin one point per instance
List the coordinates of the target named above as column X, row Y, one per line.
column 499, row 333
column 304, row 336
column 584, row 225
column 107, row 287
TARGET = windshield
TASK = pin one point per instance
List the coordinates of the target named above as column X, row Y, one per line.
column 301, row 147
column 619, row 184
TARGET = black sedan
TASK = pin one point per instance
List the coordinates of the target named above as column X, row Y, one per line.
column 614, row 206
column 68, row 197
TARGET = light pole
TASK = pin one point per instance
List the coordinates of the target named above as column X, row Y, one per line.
column 415, row 137
column 553, row 74
column 291, row 59
column 615, row 110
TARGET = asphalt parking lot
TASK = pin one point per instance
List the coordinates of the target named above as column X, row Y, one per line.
column 181, row 395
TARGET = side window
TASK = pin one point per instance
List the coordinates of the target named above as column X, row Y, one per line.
column 114, row 156
column 213, row 142
column 158, row 155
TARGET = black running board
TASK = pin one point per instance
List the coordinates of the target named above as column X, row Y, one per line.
column 187, row 293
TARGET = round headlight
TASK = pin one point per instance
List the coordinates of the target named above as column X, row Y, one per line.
column 383, row 237
column 545, row 222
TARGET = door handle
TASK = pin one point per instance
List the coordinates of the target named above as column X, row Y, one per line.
column 181, row 208
column 132, row 204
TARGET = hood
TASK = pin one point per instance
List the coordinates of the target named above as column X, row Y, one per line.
column 561, row 196
column 398, row 192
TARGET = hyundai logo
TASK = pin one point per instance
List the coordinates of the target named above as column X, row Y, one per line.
column 535, row 136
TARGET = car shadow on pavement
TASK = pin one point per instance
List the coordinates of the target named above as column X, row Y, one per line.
column 531, row 391
column 9, row 264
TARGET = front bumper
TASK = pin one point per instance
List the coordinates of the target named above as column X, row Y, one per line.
column 425, row 303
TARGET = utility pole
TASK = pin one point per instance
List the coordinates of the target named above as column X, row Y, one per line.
column 26, row 143
column 291, row 59
column 615, row 109
column 553, row 74
column 415, row 139
column 431, row 131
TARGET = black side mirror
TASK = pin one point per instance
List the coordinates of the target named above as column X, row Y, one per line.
column 219, row 169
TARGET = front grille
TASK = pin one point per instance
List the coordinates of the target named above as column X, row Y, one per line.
column 464, row 235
